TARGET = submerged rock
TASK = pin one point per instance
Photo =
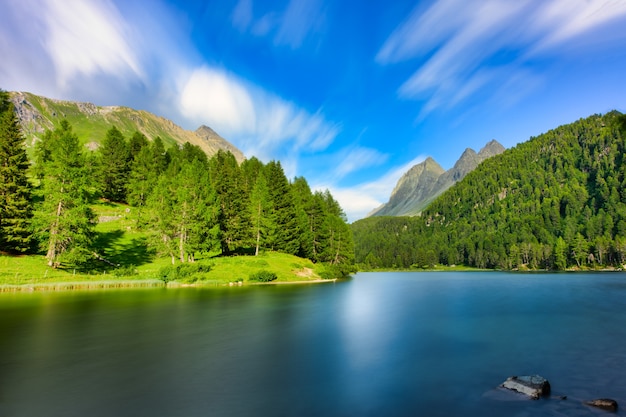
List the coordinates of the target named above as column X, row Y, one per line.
column 603, row 403
column 533, row 386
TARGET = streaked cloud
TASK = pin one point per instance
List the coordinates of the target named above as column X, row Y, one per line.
column 563, row 21
column 257, row 121
column 83, row 39
column 359, row 200
column 86, row 38
column 242, row 15
column 299, row 19
column 289, row 27
column 355, row 158
column 462, row 49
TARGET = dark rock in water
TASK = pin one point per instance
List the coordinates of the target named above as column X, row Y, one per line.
column 534, row 386
column 603, row 403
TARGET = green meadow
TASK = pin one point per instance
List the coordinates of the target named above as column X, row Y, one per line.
column 126, row 261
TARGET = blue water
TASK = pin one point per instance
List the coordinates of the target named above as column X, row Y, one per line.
column 380, row 344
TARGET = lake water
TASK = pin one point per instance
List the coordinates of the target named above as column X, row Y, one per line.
column 380, row 344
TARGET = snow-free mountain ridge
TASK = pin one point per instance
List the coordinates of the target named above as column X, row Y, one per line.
column 425, row 181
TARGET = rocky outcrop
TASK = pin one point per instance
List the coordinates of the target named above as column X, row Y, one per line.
column 533, row 386
column 603, row 403
column 414, row 187
column 427, row 180
column 216, row 142
column 37, row 114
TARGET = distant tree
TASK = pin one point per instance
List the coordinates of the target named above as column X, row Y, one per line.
column 135, row 144
column 580, row 249
column 560, row 254
column 15, row 189
column 64, row 220
column 160, row 159
column 114, row 168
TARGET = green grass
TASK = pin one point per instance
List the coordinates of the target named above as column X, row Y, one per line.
column 120, row 242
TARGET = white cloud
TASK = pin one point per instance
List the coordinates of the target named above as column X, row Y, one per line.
column 453, row 43
column 361, row 199
column 87, row 38
column 217, row 99
column 258, row 122
column 90, row 50
column 563, row 22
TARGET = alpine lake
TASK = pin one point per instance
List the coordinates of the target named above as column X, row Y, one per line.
column 378, row 344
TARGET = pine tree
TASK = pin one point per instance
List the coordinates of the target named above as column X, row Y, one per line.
column 285, row 231
column 260, row 210
column 114, row 170
column 184, row 207
column 135, row 144
column 148, row 164
column 15, row 189
column 64, row 219
column 227, row 180
column 338, row 249
column 303, row 199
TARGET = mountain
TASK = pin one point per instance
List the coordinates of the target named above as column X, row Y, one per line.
column 90, row 122
column 556, row 201
column 425, row 181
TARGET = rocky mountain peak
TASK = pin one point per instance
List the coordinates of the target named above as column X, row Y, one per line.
column 492, row 148
column 425, row 181
column 37, row 114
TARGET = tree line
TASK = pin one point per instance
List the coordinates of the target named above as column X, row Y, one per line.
column 187, row 203
column 557, row 201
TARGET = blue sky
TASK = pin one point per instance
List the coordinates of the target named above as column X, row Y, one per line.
column 349, row 94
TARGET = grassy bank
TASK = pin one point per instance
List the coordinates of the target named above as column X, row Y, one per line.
column 129, row 263
column 31, row 273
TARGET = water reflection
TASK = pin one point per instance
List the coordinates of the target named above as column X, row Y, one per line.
column 380, row 344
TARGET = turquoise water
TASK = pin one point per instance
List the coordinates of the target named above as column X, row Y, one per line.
column 380, row 344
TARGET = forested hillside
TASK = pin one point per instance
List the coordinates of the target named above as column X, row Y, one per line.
column 556, row 201
column 185, row 203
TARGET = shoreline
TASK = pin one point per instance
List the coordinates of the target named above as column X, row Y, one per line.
column 136, row 284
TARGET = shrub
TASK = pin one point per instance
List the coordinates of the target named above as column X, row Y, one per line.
column 188, row 272
column 263, row 276
column 125, row 271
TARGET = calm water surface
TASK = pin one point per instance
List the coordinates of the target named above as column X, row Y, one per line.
column 380, row 344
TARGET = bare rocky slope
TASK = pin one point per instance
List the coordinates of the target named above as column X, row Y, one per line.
column 90, row 122
column 425, row 181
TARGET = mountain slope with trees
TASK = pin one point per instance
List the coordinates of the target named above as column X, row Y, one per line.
column 557, row 201
column 185, row 205
column 37, row 114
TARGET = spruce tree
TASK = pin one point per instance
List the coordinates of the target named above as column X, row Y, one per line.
column 260, row 210
column 135, row 144
column 303, row 199
column 184, row 209
column 15, row 189
column 234, row 219
column 285, row 230
column 114, row 166
column 337, row 248
column 64, row 220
